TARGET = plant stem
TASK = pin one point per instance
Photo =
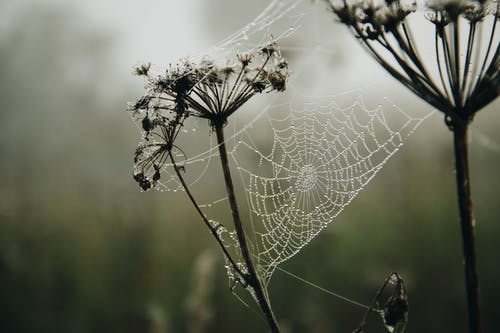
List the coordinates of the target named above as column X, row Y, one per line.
column 252, row 278
column 467, row 224
column 212, row 229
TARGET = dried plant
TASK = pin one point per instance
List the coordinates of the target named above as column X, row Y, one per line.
column 208, row 91
column 461, row 79
column 393, row 310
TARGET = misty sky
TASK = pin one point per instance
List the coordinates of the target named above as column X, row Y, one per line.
column 148, row 30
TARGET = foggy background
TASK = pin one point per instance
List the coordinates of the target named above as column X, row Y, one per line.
column 83, row 250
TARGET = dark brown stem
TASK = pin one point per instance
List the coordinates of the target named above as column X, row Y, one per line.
column 252, row 278
column 213, row 229
column 467, row 224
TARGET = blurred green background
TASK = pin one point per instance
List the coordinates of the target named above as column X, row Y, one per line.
column 83, row 250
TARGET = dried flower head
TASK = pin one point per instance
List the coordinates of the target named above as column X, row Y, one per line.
column 203, row 90
column 371, row 18
column 142, row 69
column 214, row 92
column 245, row 59
column 465, row 73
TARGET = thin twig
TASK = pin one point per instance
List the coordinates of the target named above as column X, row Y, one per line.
column 213, row 229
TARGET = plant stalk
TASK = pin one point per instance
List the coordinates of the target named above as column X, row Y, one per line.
column 467, row 225
column 212, row 229
column 252, row 278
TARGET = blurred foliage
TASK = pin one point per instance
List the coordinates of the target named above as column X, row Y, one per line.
column 82, row 250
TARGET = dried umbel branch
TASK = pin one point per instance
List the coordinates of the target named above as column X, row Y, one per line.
column 461, row 79
column 211, row 92
column 203, row 90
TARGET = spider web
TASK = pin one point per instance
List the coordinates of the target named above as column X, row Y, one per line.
column 280, row 20
column 322, row 156
column 301, row 159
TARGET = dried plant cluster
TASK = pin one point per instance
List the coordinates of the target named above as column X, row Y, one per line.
column 461, row 79
column 203, row 90
column 394, row 310
column 465, row 74
column 207, row 91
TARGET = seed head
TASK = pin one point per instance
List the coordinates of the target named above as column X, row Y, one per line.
column 203, row 90
column 269, row 49
column 457, row 82
column 142, row 70
column 371, row 18
column 245, row 59
column 277, row 80
column 208, row 91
